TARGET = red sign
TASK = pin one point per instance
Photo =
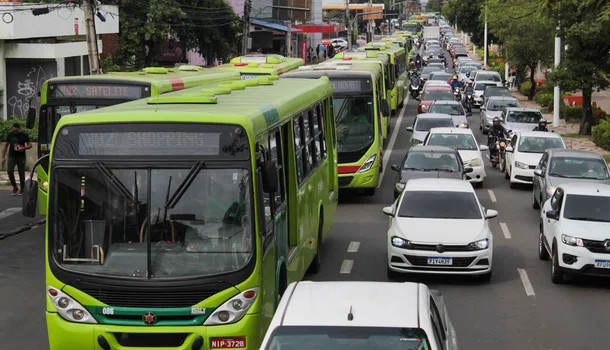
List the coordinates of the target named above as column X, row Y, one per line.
column 228, row 343
column 304, row 50
column 325, row 42
column 76, row 26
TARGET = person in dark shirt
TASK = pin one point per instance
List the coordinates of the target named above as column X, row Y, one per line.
column 17, row 143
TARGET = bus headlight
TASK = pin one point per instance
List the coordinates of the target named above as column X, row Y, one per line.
column 368, row 164
column 233, row 309
column 68, row 308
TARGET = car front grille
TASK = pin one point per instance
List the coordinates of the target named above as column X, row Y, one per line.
column 595, row 246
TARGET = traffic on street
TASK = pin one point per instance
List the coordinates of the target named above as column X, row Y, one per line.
column 507, row 232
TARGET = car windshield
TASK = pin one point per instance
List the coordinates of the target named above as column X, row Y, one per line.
column 453, row 109
column 504, row 92
column 439, row 205
column 539, row 144
column 529, row 117
column 347, row 338
column 355, row 126
column 430, row 69
column 578, row 168
column 440, row 161
column 459, row 49
column 586, row 208
column 500, row 105
column 467, row 69
column 489, row 77
column 437, row 95
column 464, row 142
column 425, row 124
column 482, row 86
column 106, row 217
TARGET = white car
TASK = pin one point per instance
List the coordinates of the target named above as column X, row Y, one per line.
column 487, row 75
column 479, row 90
column 360, row 315
column 338, row 42
column 575, row 230
column 524, row 152
column 464, row 141
column 438, row 226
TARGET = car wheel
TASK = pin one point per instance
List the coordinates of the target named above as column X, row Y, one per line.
column 543, row 254
column 392, row 275
column 556, row 274
column 535, row 203
column 486, row 277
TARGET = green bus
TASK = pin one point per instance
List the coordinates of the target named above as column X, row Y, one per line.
column 68, row 95
column 398, row 69
column 359, row 102
column 251, row 66
column 177, row 222
column 358, row 57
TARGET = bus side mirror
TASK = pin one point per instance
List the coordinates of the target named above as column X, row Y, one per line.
column 29, row 204
column 385, row 107
column 270, row 177
column 31, row 118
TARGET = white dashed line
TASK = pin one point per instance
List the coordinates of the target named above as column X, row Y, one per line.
column 487, row 156
column 388, row 152
column 346, row 267
column 353, row 247
column 505, row 230
column 529, row 289
column 492, row 196
column 9, row 212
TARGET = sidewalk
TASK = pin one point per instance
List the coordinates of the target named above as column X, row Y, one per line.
column 4, row 181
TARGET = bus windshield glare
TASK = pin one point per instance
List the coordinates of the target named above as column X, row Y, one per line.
column 355, row 125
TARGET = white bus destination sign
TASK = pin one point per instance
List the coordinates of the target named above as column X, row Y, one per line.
column 351, row 85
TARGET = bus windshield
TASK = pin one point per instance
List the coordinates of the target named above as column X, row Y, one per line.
column 103, row 216
column 355, row 125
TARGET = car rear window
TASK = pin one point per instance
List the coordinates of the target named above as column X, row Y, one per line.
column 482, row 86
column 497, row 92
column 438, row 95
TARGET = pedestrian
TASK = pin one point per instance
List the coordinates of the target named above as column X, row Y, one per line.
column 318, row 50
column 325, row 52
column 17, row 142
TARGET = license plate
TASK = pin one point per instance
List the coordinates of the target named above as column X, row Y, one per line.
column 440, row 261
column 228, row 343
column 602, row 264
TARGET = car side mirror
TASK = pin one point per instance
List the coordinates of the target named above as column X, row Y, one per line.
column 538, row 172
column 552, row 214
column 509, row 131
column 385, row 107
column 468, row 170
column 409, row 128
column 31, row 118
column 483, row 108
column 395, row 168
column 388, row 211
column 270, row 177
column 483, row 147
column 490, row 213
column 509, row 149
column 29, row 204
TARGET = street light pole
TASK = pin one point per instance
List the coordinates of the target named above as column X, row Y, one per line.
column 485, row 38
column 556, row 92
column 370, row 24
column 348, row 23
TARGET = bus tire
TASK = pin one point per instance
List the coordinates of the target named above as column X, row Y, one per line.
column 316, row 263
column 370, row 191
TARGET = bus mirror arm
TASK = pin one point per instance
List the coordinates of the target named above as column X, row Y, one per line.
column 29, row 202
column 270, row 177
column 385, row 107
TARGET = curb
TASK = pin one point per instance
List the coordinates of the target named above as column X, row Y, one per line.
column 20, row 229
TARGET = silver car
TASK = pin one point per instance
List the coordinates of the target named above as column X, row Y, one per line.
column 426, row 121
column 453, row 108
column 492, row 108
column 520, row 119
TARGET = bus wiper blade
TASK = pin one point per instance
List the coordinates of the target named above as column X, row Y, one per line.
column 338, row 115
column 188, row 180
column 116, row 183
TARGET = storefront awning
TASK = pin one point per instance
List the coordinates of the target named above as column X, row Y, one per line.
column 272, row 25
column 321, row 28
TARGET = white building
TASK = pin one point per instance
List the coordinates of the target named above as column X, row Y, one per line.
column 36, row 48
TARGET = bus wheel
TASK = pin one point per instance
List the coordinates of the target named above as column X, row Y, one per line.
column 370, row 191
column 316, row 264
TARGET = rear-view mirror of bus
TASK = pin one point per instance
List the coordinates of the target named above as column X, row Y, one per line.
column 31, row 119
column 270, row 177
column 385, row 107
column 29, row 204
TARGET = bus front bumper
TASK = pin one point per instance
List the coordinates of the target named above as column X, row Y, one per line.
column 367, row 179
column 64, row 335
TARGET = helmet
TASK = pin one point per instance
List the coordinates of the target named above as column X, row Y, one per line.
column 497, row 121
column 455, row 77
column 542, row 123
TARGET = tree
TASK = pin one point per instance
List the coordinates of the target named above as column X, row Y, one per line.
column 586, row 62
column 467, row 14
column 526, row 33
column 434, row 5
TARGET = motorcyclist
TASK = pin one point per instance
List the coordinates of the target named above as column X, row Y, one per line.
column 541, row 126
column 455, row 83
column 497, row 131
column 418, row 60
column 412, row 66
column 468, row 89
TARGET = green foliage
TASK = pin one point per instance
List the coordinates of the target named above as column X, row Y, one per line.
column 107, row 65
column 525, row 88
column 467, row 14
column 131, row 64
column 570, row 114
column 601, row 135
column 434, row 5
column 7, row 125
column 544, row 99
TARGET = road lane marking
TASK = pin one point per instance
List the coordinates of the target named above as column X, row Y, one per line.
column 9, row 212
column 529, row 289
column 353, row 247
column 505, row 230
column 487, row 156
column 388, row 152
column 346, row 267
column 492, row 195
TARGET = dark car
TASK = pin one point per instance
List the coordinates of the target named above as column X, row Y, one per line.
column 560, row 166
column 496, row 91
column 429, row 162
column 425, row 73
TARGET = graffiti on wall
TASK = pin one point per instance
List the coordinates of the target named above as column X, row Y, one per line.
column 24, row 81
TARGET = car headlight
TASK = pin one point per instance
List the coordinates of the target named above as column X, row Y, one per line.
column 550, row 190
column 489, row 117
column 368, row 164
column 400, row 242
column 521, row 165
column 474, row 162
column 479, row 245
column 415, row 141
column 233, row 309
column 68, row 308
column 400, row 187
column 463, row 125
column 424, row 108
column 571, row 240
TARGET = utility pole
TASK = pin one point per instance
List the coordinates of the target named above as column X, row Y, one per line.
column 370, row 24
column 246, row 33
column 94, row 56
column 485, row 38
column 556, row 92
column 348, row 23
column 288, row 39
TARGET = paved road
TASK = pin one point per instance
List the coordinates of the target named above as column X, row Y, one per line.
column 519, row 309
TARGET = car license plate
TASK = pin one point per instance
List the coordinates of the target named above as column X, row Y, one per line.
column 440, row 261
column 602, row 264
column 228, row 343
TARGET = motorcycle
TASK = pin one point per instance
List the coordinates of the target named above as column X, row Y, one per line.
column 456, row 94
column 498, row 156
column 469, row 102
column 414, row 87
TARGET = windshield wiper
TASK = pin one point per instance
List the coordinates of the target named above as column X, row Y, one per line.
column 116, row 183
column 442, row 169
column 338, row 115
column 558, row 175
column 415, row 169
column 188, row 180
column 584, row 218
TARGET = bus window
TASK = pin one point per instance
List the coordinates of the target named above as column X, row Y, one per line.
column 275, row 148
column 299, row 144
column 355, row 125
